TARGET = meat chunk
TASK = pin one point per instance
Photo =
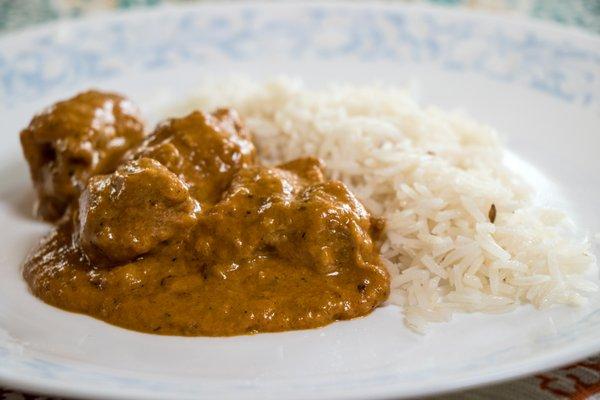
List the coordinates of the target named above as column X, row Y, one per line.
column 233, row 229
column 75, row 139
column 293, row 216
column 330, row 225
column 130, row 212
column 310, row 169
column 204, row 150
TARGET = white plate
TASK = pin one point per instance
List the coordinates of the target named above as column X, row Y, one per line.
column 539, row 85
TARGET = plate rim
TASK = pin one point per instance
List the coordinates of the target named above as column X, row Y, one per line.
column 127, row 13
column 511, row 371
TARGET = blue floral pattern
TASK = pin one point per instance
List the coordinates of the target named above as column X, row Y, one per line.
column 514, row 54
column 581, row 13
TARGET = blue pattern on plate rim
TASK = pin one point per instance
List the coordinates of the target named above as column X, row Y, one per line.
column 96, row 51
column 61, row 372
column 91, row 52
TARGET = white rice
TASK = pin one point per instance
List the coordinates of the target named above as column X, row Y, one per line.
column 433, row 175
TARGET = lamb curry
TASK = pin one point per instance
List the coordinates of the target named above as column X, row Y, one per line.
column 184, row 231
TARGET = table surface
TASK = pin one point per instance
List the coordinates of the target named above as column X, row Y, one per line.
column 578, row 381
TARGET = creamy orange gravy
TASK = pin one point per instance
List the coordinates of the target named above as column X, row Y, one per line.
column 189, row 235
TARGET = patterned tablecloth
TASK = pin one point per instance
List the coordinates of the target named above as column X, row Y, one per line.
column 578, row 381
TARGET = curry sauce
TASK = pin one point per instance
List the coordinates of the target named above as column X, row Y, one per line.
column 189, row 234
